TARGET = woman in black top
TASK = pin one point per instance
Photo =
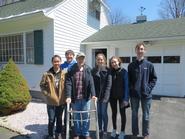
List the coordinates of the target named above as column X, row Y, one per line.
column 102, row 81
column 120, row 93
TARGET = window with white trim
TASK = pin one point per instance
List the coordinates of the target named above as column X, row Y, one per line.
column 29, row 52
column 94, row 8
column 30, row 48
column 12, row 47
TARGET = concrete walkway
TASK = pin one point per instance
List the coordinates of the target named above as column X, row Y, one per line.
column 167, row 121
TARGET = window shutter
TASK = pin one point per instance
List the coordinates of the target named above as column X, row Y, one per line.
column 38, row 47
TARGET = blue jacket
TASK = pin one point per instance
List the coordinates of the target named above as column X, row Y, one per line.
column 66, row 65
column 142, row 78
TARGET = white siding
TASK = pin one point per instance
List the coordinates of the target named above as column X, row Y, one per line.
column 71, row 26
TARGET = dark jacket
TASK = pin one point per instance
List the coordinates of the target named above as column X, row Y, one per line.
column 120, row 86
column 88, row 83
column 142, row 78
column 103, row 82
column 47, row 85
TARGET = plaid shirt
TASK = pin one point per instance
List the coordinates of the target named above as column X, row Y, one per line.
column 79, row 84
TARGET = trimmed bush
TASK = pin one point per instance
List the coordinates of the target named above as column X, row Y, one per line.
column 14, row 91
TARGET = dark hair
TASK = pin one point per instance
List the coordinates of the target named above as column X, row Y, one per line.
column 139, row 44
column 54, row 57
column 69, row 52
column 119, row 60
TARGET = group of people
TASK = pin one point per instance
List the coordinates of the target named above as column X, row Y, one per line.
column 75, row 83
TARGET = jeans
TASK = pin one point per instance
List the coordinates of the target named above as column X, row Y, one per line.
column 145, row 105
column 81, row 120
column 113, row 104
column 102, row 116
column 54, row 114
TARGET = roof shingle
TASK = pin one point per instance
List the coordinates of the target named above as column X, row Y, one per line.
column 146, row 30
column 25, row 6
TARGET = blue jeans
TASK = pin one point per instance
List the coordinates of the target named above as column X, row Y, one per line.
column 81, row 120
column 145, row 105
column 55, row 114
column 102, row 116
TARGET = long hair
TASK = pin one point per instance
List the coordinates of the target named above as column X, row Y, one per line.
column 114, row 57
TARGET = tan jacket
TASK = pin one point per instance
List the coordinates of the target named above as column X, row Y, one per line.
column 47, row 86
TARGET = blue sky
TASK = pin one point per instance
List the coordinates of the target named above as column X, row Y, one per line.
column 130, row 8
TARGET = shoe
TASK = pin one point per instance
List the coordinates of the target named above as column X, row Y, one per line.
column 146, row 137
column 87, row 137
column 104, row 135
column 58, row 136
column 121, row 135
column 113, row 133
column 76, row 137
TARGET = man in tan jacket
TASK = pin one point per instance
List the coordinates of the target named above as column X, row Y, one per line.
column 52, row 86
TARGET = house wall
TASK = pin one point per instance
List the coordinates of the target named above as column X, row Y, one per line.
column 72, row 24
column 171, row 77
column 32, row 72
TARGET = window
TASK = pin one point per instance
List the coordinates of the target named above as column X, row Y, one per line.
column 12, row 47
column 154, row 59
column 125, row 59
column 171, row 59
column 94, row 9
column 30, row 48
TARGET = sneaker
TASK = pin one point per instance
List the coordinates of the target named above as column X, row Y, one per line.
column 146, row 137
column 58, row 136
column 121, row 135
column 113, row 133
column 104, row 135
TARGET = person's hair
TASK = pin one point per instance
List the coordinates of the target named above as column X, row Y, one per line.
column 139, row 45
column 55, row 57
column 69, row 52
column 114, row 57
column 104, row 58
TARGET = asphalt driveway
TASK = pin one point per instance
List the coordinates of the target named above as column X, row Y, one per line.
column 167, row 120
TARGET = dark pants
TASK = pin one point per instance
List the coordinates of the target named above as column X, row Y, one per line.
column 145, row 105
column 55, row 114
column 102, row 116
column 113, row 104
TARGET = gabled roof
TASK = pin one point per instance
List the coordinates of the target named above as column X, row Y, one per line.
column 147, row 30
column 26, row 6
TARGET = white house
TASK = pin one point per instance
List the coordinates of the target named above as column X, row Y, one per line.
column 32, row 31
column 165, row 41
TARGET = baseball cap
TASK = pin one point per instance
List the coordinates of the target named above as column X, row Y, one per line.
column 80, row 54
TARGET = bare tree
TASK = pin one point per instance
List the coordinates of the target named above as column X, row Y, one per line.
column 172, row 9
column 117, row 17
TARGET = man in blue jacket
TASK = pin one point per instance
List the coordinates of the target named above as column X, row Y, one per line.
column 142, row 79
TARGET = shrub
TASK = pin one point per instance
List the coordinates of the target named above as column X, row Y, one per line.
column 14, row 91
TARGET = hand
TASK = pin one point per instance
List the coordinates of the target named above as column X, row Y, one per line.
column 124, row 104
column 68, row 100
column 94, row 98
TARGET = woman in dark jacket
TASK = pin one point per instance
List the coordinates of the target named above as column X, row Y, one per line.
column 102, row 81
column 120, row 93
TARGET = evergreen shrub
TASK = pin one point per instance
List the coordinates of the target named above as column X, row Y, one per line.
column 14, row 90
